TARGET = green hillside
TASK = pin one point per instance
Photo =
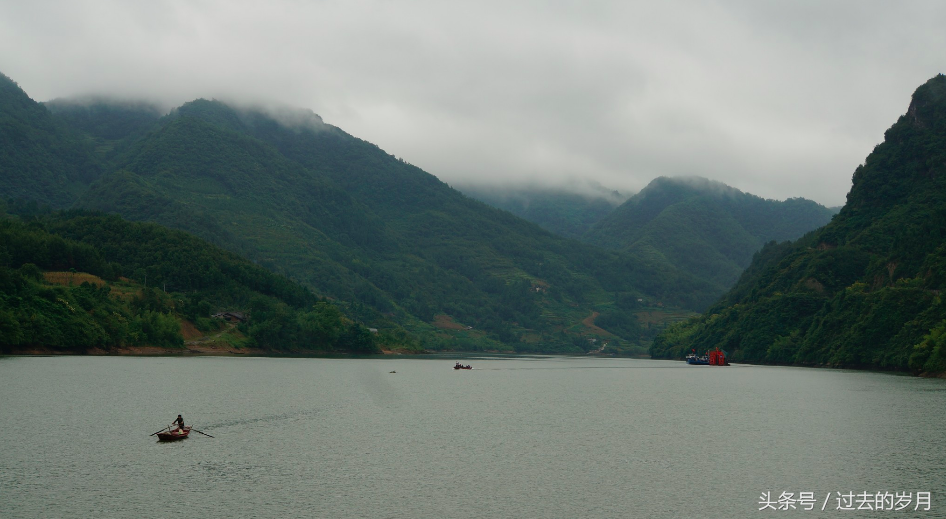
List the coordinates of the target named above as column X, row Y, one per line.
column 78, row 281
column 703, row 228
column 863, row 291
column 108, row 126
column 558, row 211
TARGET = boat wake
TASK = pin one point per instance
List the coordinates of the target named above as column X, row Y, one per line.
column 243, row 422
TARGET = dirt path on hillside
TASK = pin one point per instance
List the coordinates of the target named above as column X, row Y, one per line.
column 589, row 323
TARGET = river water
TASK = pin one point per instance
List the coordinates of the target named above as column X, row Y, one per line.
column 517, row 437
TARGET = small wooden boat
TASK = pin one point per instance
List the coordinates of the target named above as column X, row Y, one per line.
column 174, row 434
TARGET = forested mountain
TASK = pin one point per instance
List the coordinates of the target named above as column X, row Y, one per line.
column 108, row 125
column 558, row 210
column 866, row 289
column 703, row 228
column 387, row 241
column 80, row 281
column 40, row 159
column 356, row 224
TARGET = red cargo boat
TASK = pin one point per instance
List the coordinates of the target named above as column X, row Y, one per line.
column 718, row 358
column 174, row 434
column 712, row 358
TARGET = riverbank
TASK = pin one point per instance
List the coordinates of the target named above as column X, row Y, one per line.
column 190, row 349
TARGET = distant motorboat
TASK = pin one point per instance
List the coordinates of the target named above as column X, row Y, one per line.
column 461, row 366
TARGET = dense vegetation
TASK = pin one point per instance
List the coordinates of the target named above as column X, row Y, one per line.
column 77, row 281
column 865, row 290
column 703, row 228
column 39, row 158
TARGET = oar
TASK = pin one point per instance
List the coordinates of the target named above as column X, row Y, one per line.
column 168, row 428
column 201, row 432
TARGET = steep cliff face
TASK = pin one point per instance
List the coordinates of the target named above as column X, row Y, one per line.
column 865, row 290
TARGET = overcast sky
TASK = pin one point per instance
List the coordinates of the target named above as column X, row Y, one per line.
column 779, row 99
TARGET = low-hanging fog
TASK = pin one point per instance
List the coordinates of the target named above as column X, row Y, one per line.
column 779, row 99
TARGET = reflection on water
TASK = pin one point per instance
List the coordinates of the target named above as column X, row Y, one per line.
column 514, row 437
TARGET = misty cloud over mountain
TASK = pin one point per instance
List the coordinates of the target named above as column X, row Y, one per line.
column 776, row 99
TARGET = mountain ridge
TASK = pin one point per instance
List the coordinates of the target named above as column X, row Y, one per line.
column 560, row 211
column 703, row 227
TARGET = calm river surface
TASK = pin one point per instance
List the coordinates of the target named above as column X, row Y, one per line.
column 535, row 437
